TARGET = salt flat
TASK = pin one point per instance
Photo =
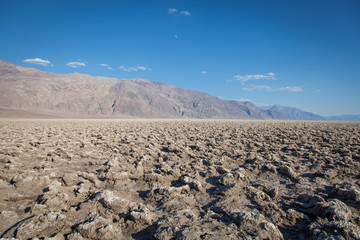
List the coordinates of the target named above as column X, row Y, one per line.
column 179, row 179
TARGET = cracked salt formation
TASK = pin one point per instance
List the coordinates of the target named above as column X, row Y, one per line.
column 170, row 179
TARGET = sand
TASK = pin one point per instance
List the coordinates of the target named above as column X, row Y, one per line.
column 171, row 179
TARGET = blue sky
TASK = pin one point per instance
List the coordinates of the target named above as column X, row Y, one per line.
column 303, row 54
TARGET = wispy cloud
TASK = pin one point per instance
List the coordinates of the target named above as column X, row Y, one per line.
column 38, row 61
column 244, row 79
column 244, row 100
column 290, row 89
column 259, row 88
column 76, row 64
column 267, row 88
column 134, row 69
column 203, row 73
column 106, row 65
column 249, row 77
column 183, row 13
column 172, row 10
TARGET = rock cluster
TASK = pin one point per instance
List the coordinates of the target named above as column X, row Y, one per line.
column 122, row 179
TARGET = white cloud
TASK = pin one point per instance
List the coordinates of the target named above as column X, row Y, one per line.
column 172, row 10
column 141, row 68
column 203, row 73
column 106, row 65
column 185, row 13
column 176, row 36
column 267, row 88
column 248, row 77
column 271, row 76
column 38, row 61
column 76, row 64
column 134, row 69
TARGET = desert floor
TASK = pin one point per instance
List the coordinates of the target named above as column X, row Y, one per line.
column 172, row 179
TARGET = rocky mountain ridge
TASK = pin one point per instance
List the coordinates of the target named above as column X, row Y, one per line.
column 75, row 94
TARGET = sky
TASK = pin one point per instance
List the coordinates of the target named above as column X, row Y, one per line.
column 303, row 54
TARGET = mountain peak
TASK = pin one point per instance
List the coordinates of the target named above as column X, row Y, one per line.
column 295, row 113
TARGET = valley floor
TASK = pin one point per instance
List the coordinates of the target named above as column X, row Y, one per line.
column 170, row 179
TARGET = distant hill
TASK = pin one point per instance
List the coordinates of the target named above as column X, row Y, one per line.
column 81, row 95
column 344, row 118
column 294, row 113
column 298, row 114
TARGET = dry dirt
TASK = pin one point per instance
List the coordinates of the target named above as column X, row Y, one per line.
column 122, row 179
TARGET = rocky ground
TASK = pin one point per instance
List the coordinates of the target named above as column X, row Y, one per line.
column 122, row 179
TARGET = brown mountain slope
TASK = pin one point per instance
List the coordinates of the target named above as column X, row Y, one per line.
column 77, row 94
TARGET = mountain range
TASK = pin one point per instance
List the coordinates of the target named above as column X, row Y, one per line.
column 298, row 114
column 80, row 95
column 33, row 93
column 294, row 113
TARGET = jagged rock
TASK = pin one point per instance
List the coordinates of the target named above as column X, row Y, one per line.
column 239, row 173
column 93, row 178
column 165, row 233
column 345, row 191
column 53, row 187
column 336, row 210
column 273, row 193
column 58, row 236
column 256, row 226
column 41, row 226
column 191, row 233
column 118, row 175
column 227, row 178
column 83, row 188
column 171, row 190
column 232, row 177
column 270, row 167
column 256, row 195
column 111, row 201
column 154, row 179
column 56, row 201
column 100, row 228
column 194, row 184
column 287, row 171
column 143, row 216
column 272, row 212
column 294, row 216
column 335, row 230
column 75, row 236
column 70, row 179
